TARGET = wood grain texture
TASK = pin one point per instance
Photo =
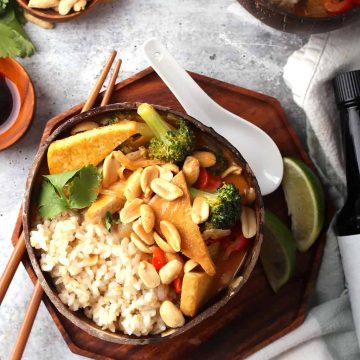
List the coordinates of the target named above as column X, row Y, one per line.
column 53, row 16
column 17, row 74
column 256, row 316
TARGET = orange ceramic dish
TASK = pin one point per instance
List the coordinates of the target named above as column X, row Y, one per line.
column 12, row 70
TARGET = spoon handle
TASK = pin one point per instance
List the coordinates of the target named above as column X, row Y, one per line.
column 192, row 98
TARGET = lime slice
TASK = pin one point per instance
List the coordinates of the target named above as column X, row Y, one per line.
column 278, row 251
column 305, row 199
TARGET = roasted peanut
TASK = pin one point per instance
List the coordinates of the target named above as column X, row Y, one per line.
column 162, row 244
column 200, row 210
column 171, row 234
column 147, row 238
column 205, row 158
column 172, row 167
column 147, row 176
column 250, row 195
column 165, row 174
column 79, row 5
column 110, row 171
column 133, row 189
column 215, row 233
column 191, row 169
column 190, row 265
column 148, row 275
column 131, row 211
column 233, row 169
column 140, row 244
column 170, row 271
column 165, row 189
column 248, row 222
column 147, row 217
column 171, row 315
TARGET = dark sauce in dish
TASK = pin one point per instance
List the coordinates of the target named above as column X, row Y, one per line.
column 9, row 103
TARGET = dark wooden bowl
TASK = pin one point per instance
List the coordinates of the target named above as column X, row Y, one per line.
column 53, row 16
column 39, row 168
column 285, row 21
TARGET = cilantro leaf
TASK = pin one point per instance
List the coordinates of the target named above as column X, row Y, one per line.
column 60, row 180
column 14, row 41
column 108, row 220
column 83, row 187
column 50, row 203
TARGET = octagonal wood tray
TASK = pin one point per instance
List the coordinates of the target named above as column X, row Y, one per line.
column 257, row 316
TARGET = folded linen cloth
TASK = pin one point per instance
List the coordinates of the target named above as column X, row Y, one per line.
column 328, row 331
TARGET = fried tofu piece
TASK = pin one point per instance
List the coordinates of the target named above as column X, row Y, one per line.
column 178, row 212
column 194, row 292
column 104, row 203
column 89, row 147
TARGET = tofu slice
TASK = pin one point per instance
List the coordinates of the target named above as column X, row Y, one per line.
column 89, row 147
column 179, row 213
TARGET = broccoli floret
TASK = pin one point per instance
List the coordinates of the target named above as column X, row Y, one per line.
column 224, row 206
column 168, row 144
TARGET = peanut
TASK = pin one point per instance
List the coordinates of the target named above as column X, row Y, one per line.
column 139, row 244
column 165, row 189
column 147, row 217
column 133, row 188
column 162, row 244
column 205, row 158
column 233, row 169
column 131, row 211
column 110, row 171
column 147, row 238
column 190, row 265
column 171, row 234
column 191, row 170
column 170, row 271
column 148, row 275
column 250, row 195
column 147, row 176
column 172, row 167
column 200, row 210
column 248, row 222
column 165, row 174
column 171, row 315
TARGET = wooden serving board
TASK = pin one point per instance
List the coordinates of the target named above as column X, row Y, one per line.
column 257, row 316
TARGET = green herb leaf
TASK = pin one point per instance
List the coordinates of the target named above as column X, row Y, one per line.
column 50, row 203
column 60, row 180
column 83, row 187
column 108, row 220
column 14, row 41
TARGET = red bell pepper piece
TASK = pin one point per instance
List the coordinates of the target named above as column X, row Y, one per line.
column 159, row 259
column 207, row 181
column 177, row 285
column 338, row 7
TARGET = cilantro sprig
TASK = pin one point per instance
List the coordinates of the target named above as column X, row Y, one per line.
column 13, row 39
column 68, row 190
column 109, row 220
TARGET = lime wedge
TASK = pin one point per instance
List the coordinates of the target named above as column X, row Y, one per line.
column 305, row 199
column 278, row 251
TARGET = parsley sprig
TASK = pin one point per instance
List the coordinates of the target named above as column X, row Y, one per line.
column 68, row 190
column 13, row 39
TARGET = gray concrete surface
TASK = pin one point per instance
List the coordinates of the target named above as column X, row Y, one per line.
column 213, row 37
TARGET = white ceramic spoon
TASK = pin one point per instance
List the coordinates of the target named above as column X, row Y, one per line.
column 258, row 149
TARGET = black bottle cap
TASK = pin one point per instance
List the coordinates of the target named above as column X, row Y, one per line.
column 347, row 87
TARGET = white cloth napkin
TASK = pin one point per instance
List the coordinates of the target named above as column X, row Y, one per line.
column 328, row 332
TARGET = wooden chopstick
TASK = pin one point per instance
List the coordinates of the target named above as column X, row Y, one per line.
column 110, row 88
column 16, row 256
column 99, row 83
column 11, row 266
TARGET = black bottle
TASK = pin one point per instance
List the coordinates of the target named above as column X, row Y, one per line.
column 347, row 93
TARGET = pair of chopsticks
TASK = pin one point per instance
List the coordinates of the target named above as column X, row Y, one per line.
column 19, row 249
